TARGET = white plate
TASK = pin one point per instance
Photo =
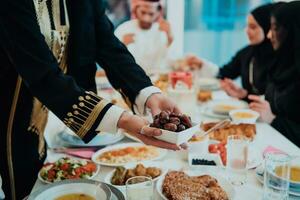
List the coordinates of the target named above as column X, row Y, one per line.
column 238, row 104
column 88, row 187
column 260, row 177
column 227, row 187
column 133, row 165
column 91, row 177
column 161, row 153
column 208, row 83
column 207, row 111
column 102, row 139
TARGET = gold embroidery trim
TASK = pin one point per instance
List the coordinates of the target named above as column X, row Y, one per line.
column 9, row 135
column 85, row 113
column 92, row 118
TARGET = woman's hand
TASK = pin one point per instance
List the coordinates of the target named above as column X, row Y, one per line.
column 137, row 127
column 262, row 107
column 232, row 89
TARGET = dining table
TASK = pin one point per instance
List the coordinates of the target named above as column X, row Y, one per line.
column 252, row 189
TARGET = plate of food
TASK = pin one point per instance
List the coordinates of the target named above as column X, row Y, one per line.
column 181, row 185
column 221, row 108
column 122, row 154
column 208, row 83
column 68, row 168
column 120, row 175
column 221, row 134
column 102, row 139
column 73, row 189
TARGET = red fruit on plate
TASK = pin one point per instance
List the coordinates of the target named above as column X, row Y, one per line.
column 213, row 148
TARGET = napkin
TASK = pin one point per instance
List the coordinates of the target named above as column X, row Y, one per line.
column 81, row 153
column 271, row 149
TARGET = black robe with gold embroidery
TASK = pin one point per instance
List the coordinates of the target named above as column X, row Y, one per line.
column 24, row 53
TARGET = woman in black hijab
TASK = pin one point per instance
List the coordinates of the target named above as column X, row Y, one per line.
column 282, row 107
column 251, row 62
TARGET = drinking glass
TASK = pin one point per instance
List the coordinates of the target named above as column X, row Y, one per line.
column 139, row 187
column 276, row 176
column 237, row 156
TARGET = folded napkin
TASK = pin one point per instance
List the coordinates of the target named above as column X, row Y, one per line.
column 81, row 153
column 271, row 149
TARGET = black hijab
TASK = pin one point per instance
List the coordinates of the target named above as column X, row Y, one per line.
column 263, row 52
column 286, row 70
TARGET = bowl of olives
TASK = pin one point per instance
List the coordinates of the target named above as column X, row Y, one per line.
column 176, row 128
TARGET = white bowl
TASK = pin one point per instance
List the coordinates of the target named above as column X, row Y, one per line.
column 246, row 120
column 179, row 137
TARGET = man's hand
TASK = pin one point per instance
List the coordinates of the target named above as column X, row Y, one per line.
column 233, row 90
column 134, row 125
column 159, row 102
column 128, row 38
column 262, row 107
column 165, row 27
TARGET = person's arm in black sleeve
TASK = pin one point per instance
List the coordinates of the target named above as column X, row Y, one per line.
column 20, row 37
column 121, row 69
column 232, row 69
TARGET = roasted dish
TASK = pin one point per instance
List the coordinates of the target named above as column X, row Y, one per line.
column 171, row 121
column 129, row 154
column 122, row 174
column 179, row 186
column 248, row 130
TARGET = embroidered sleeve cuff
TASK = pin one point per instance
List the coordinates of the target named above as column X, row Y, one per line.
column 110, row 120
column 141, row 99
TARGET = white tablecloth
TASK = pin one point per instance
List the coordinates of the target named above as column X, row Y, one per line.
column 252, row 190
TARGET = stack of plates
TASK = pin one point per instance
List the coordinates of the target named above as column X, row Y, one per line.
column 102, row 139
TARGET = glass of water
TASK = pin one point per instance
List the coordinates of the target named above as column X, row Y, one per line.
column 277, row 176
column 140, row 187
column 237, row 156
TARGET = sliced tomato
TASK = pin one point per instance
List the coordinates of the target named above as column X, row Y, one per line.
column 51, row 175
column 90, row 167
column 65, row 166
column 213, row 148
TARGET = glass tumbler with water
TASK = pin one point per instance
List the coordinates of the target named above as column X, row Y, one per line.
column 237, row 156
column 140, row 187
column 276, row 176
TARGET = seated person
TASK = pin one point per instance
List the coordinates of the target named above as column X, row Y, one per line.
column 251, row 62
column 148, row 37
column 281, row 108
